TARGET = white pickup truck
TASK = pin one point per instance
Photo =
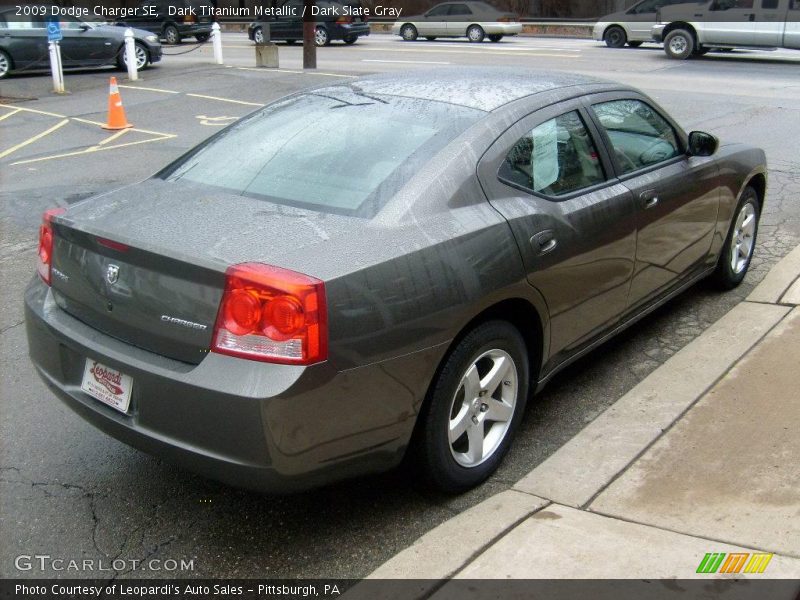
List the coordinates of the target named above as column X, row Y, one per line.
column 692, row 29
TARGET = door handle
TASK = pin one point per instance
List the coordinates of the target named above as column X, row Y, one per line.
column 544, row 242
column 649, row 198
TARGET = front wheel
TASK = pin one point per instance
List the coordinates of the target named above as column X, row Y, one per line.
column 475, row 33
column 495, row 38
column 321, row 37
column 679, row 44
column 408, row 32
column 142, row 57
column 171, row 34
column 615, row 37
column 475, row 404
column 734, row 259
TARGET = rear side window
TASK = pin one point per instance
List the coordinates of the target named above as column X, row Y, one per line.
column 333, row 150
column 459, row 10
column 555, row 158
column 439, row 11
column 639, row 135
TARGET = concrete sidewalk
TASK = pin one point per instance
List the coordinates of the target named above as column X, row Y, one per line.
column 701, row 457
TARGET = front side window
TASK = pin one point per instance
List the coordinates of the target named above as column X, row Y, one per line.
column 640, row 136
column 555, row 158
column 459, row 10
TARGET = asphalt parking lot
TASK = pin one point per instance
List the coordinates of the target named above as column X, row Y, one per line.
column 67, row 490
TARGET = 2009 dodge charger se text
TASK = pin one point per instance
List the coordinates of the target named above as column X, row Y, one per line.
column 379, row 269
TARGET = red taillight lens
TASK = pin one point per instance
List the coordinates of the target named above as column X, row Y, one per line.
column 45, row 257
column 189, row 19
column 273, row 315
column 344, row 20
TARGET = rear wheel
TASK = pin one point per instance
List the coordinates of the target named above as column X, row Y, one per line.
column 475, row 33
column 474, row 407
column 171, row 34
column 615, row 37
column 408, row 32
column 258, row 35
column 679, row 44
column 734, row 260
column 142, row 57
column 495, row 38
column 321, row 37
column 5, row 64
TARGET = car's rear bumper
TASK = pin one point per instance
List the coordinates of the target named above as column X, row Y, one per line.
column 347, row 30
column 275, row 428
column 502, row 28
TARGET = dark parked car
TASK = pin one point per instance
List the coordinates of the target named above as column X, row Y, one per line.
column 174, row 20
column 23, row 44
column 344, row 21
column 385, row 267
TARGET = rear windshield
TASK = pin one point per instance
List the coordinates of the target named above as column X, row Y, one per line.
column 334, row 150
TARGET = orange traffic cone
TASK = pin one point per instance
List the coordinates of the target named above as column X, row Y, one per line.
column 116, row 114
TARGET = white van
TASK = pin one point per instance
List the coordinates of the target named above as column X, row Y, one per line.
column 692, row 29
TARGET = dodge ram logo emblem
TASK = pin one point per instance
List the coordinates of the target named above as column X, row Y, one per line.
column 112, row 274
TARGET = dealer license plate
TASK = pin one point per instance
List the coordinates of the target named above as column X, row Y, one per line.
column 107, row 385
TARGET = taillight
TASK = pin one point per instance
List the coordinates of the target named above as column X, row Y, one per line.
column 189, row 18
column 45, row 257
column 507, row 20
column 344, row 20
column 272, row 314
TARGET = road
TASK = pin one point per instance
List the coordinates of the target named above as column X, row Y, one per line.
column 68, row 491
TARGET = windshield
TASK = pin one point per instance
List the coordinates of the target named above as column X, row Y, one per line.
column 333, row 150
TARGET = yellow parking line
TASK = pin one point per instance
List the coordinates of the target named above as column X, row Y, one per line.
column 147, row 89
column 147, row 131
column 225, row 100
column 113, row 136
column 33, row 110
column 10, row 114
column 97, row 148
column 30, row 140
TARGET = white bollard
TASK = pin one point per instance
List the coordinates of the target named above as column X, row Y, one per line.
column 130, row 55
column 55, row 68
column 216, row 39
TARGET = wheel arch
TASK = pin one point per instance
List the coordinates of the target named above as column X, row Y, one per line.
column 620, row 25
column 759, row 183
column 466, row 29
column 680, row 25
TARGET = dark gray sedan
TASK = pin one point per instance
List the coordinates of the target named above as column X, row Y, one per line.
column 380, row 269
column 23, row 44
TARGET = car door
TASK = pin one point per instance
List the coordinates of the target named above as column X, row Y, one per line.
column 791, row 34
column 770, row 23
column 435, row 21
column 26, row 40
column 84, row 45
column 289, row 26
column 677, row 195
column 574, row 225
column 731, row 22
column 458, row 17
column 640, row 18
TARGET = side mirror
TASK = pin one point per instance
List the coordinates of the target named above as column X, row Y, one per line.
column 702, row 144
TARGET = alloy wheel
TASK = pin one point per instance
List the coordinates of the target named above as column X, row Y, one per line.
column 482, row 408
column 743, row 238
column 5, row 65
column 678, row 44
column 320, row 36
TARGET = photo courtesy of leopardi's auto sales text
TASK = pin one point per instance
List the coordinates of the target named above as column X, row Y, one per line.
column 399, row 299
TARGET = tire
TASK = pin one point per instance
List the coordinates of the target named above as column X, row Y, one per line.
column 202, row 37
column 679, row 44
column 430, row 38
column 351, row 40
column 258, row 35
column 475, row 33
column 635, row 44
column 455, row 465
column 321, row 37
column 5, row 64
column 142, row 57
column 615, row 37
column 737, row 252
column 408, row 32
column 171, row 34
column 495, row 38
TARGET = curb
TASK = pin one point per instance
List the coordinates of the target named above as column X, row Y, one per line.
column 581, row 469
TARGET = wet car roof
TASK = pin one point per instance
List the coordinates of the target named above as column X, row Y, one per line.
column 483, row 88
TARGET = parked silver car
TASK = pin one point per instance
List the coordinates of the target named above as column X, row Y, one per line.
column 473, row 20
column 631, row 26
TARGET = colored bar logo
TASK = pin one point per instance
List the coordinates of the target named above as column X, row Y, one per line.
column 734, row 562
